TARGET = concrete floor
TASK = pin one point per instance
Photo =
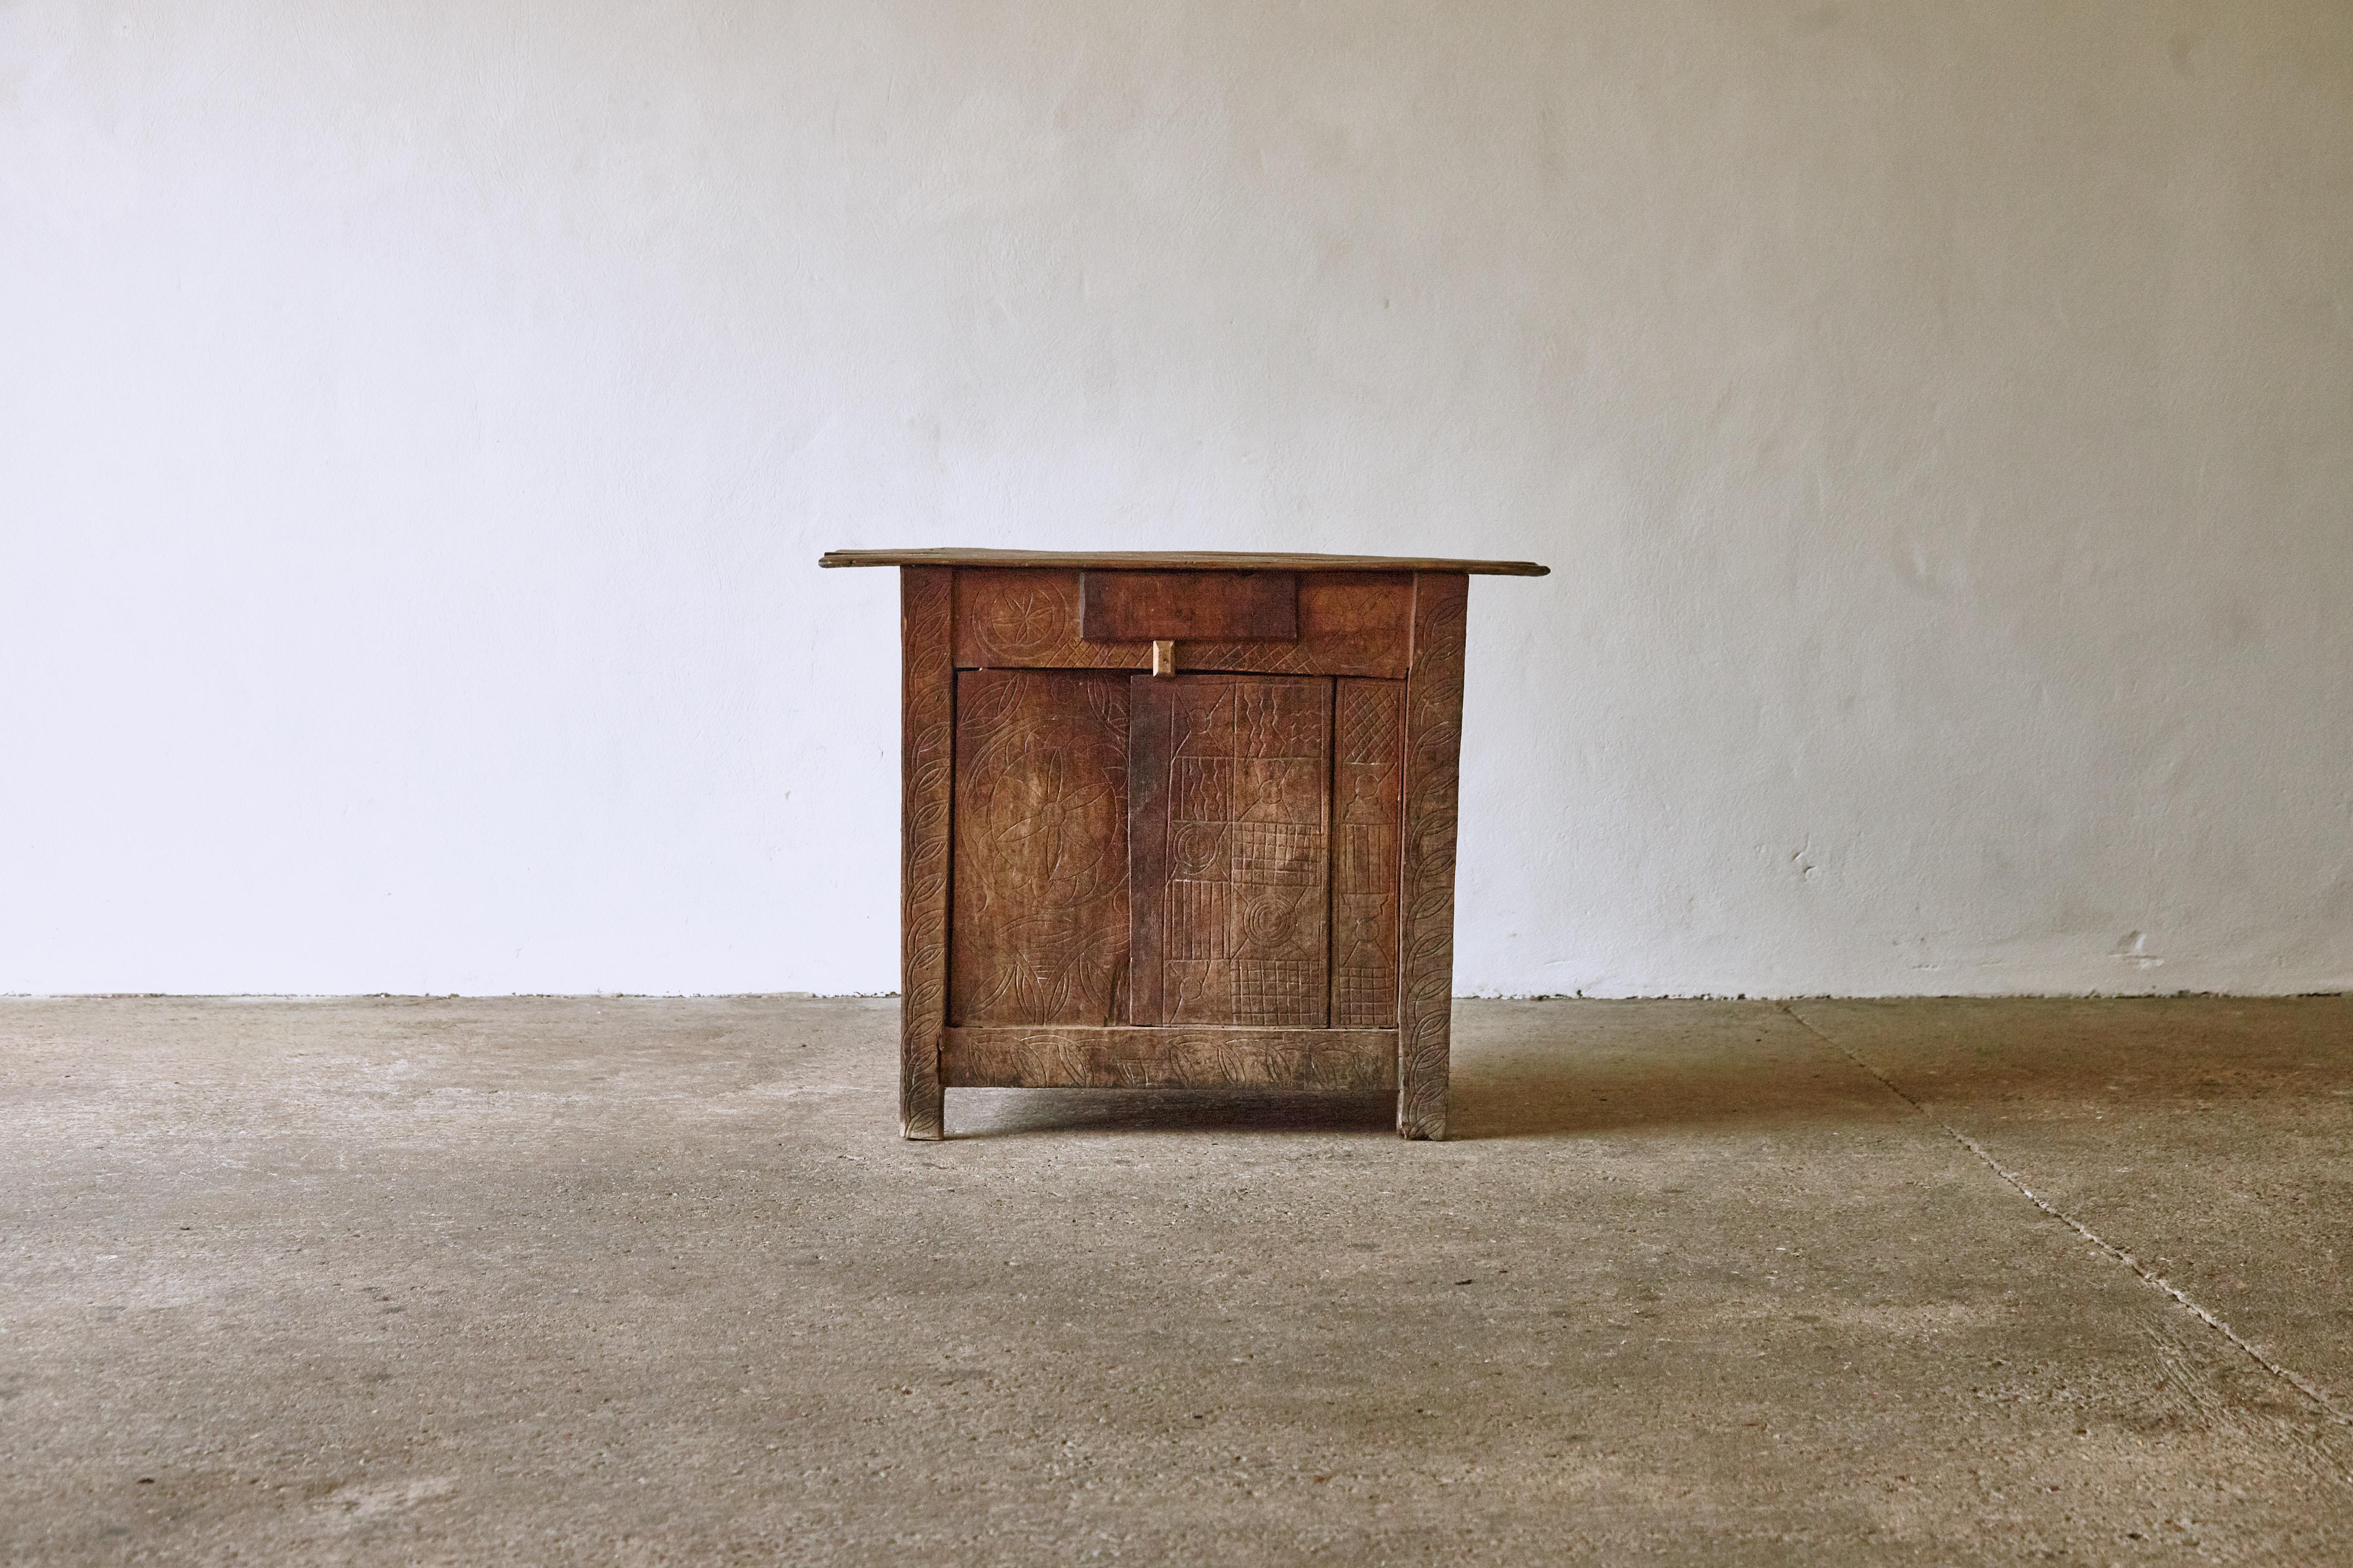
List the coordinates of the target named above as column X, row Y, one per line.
column 643, row 1281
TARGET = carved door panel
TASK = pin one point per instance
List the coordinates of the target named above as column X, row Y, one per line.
column 1230, row 845
column 1039, row 922
column 1209, row 851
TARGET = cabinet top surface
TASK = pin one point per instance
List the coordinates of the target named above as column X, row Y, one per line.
column 1177, row 561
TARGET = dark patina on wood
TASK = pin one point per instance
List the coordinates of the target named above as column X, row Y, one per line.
column 1237, row 871
column 1433, row 749
column 927, row 746
column 1349, row 622
column 1193, row 607
column 1039, row 932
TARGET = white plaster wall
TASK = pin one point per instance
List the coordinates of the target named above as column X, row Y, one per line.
column 419, row 422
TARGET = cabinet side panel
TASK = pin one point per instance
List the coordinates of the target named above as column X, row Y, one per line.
column 1367, row 771
column 1433, row 749
column 1041, row 902
column 927, row 743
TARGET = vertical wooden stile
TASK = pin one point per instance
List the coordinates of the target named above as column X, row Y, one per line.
column 1367, row 765
column 1433, row 748
column 927, row 740
column 1147, row 844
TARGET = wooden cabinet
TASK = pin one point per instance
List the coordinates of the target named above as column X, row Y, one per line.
column 1179, row 821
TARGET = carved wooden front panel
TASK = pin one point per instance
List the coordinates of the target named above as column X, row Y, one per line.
column 1232, row 855
column 1040, row 900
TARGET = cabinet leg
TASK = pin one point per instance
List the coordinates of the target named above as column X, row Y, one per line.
column 922, row 1114
column 1433, row 751
column 1421, row 1101
column 927, row 739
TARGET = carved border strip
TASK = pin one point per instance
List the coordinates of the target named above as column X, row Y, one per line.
column 927, row 741
column 1367, row 771
column 1433, row 751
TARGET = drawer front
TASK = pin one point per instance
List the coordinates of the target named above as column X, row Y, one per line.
column 1347, row 623
column 1188, row 606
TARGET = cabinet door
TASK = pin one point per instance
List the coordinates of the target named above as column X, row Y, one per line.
column 1039, row 922
column 1211, row 850
column 1229, row 811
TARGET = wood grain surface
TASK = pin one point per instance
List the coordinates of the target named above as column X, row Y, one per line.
column 1176, row 559
column 1349, row 624
column 1433, row 747
column 927, row 736
column 1041, row 906
column 1149, row 717
column 1367, row 777
column 1329, row 1059
column 1188, row 606
column 1230, row 856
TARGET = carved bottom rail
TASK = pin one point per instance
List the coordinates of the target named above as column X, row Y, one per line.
column 1016, row 1057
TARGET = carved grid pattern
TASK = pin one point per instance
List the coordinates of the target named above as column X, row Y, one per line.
column 1276, row 990
column 1276, row 854
column 1245, row 920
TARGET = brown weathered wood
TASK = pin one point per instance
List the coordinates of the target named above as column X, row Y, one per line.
column 1433, row 745
column 1040, row 918
column 1149, row 717
column 1349, row 624
column 1278, row 825
column 1367, row 777
column 927, row 743
column 1177, row 561
column 1230, row 853
column 1326, row 1060
column 1191, row 606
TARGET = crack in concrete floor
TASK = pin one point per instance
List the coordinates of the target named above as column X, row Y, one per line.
column 2139, row 1269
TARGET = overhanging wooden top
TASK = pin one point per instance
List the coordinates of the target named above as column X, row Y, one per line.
column 1177, row 561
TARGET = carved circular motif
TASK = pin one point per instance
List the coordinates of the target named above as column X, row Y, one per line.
column 1027, row 623
column 1197, row 849
column 1267, row 919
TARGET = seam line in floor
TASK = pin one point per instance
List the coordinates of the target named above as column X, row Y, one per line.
column 2140, row 1270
